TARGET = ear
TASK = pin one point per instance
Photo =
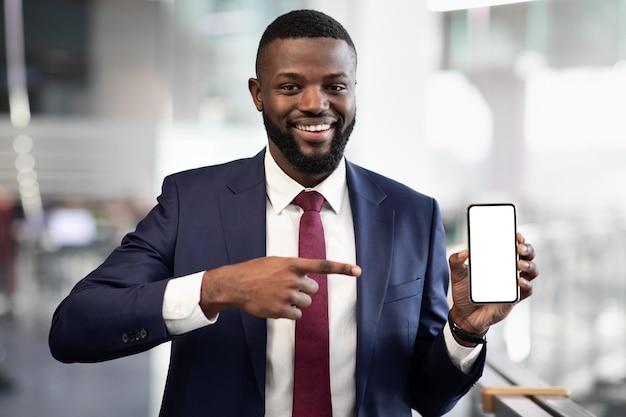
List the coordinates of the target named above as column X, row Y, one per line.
column 254, row 86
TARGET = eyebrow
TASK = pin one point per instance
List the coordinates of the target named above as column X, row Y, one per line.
column 296, row 76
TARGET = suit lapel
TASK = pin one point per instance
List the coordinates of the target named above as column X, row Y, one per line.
column 374, row 242
column 244, row 228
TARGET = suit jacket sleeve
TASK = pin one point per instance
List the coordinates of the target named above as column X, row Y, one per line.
column 436, row 383
column 402, row 306
column 117, row 309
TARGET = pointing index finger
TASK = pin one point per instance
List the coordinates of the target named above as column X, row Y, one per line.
column 323, row 266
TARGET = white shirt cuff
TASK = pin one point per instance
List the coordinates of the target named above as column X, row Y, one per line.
column 181, row 305
column 462, row 357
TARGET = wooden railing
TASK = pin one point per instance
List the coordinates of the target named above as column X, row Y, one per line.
column 508, row 389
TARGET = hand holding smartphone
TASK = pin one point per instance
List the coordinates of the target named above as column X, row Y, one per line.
column 492, row 243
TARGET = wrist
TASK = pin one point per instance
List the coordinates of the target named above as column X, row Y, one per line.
column 464, row 337
column 212, row 298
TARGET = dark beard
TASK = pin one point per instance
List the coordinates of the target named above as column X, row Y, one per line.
column 316, row 164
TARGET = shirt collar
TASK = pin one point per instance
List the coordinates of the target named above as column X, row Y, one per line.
column 282, row 189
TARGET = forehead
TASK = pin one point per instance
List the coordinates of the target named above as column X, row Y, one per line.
column 309, row 54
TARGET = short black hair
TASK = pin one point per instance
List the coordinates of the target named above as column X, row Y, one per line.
column 302, row 24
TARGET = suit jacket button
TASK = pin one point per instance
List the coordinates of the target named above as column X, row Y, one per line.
column 134, row 335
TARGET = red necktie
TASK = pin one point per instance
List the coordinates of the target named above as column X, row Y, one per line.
column 311, row 385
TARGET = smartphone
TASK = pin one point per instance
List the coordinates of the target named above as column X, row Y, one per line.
column 492, row 244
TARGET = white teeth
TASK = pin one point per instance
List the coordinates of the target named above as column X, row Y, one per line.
column 313, row 128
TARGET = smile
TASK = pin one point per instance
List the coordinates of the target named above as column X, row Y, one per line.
column 313, row 128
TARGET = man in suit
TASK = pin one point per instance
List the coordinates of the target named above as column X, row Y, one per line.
column 214, row 267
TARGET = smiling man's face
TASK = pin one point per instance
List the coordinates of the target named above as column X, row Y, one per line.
column 305, row 89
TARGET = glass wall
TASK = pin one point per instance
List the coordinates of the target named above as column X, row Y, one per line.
column 537, row 90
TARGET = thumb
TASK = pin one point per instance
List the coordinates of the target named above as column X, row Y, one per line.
column 457, row 260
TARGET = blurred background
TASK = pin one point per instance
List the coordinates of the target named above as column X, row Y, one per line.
column 524, row 102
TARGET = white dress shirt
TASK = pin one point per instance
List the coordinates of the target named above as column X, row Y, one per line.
column 283, row 220
column 182, row 312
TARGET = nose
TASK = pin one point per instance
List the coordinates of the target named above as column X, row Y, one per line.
column 313, row 100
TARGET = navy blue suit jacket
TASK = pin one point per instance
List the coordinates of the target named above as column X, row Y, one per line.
column 213, row 216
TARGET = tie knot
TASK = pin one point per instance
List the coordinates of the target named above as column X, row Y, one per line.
column 310, row 200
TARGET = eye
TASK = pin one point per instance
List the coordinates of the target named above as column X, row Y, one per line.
column 337, row 87
column 289, row 87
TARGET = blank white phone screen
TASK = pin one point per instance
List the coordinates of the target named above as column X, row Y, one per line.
column 493, row 253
